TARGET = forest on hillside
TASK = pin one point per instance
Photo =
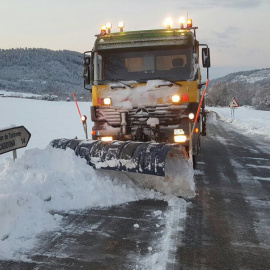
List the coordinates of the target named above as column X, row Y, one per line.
column 251, row 88
column 42, row 71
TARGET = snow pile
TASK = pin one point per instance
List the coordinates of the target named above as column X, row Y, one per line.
column 179, row 175
column 178, row 180
column 246, row 118
column 45, row 181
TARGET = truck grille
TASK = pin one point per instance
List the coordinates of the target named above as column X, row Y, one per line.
column 167, row 115
column 105, row 114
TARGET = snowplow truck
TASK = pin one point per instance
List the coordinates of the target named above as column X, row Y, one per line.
column 146, row 88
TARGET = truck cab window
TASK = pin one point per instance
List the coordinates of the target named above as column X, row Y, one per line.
column 144, row 64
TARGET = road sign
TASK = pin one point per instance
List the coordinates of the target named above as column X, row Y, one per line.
column 13, row 138
column 234, row 103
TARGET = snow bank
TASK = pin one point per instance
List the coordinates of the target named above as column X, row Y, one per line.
column 178, row 180
column 253, row 122
column 44, row 181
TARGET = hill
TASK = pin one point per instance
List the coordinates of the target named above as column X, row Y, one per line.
column 42, row 71
column 248, row 87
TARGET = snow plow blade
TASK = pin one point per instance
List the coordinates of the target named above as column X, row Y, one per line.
column 169, row 161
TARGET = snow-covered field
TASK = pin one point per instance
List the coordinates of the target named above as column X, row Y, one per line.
column 45, row 120
column 5, row 93
column 250, row 121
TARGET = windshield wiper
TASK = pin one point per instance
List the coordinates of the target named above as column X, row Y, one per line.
column 116, row 80
column 168, row 80
column 164, row 79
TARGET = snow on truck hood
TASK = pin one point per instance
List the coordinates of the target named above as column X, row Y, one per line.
column 145, row 95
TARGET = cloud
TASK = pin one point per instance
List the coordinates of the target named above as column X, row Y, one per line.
column 226, row 39
column 237, row 4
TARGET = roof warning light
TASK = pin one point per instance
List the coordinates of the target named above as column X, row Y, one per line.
column 121, row 26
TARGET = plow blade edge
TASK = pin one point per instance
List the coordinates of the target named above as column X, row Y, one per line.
column 154, row 160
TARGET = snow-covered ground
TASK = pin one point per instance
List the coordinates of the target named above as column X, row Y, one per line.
column 251, row 122
column 44, row 180
column 28, row 183
column 45, row 120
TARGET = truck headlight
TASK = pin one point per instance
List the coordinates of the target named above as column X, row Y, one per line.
column 180, row 138
column 106, row 139
column 176, row 98
column 106, row 101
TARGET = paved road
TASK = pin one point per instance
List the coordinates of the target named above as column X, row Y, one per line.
column 118, row 237
column 227, row 225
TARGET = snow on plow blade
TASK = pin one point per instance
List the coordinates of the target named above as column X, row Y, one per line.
column 152, row 160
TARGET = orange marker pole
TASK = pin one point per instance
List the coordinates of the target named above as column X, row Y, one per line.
column 200, row 105
column 83, row 121
column 77, row 105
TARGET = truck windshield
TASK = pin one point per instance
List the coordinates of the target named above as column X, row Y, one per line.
column 140, row 65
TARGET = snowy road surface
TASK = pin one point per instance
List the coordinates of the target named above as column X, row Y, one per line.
column 226, row 226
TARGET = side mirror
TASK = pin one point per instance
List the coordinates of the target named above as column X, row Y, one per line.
column 206, row 57
column 88, row 70
column 87, row 61
column 86, row 73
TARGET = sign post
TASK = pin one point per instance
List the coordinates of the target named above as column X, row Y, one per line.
column 12, row 139
column 233, row 104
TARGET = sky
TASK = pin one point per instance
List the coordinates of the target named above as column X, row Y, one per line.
column 237, row 31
